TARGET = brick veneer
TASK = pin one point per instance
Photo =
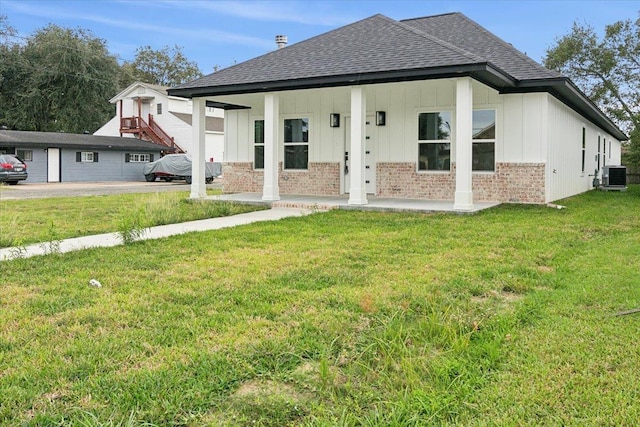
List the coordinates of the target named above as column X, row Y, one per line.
column 511, row 182
column 319, row 179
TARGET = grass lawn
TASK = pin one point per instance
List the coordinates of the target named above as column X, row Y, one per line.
column 341, row 318
column 40, row 220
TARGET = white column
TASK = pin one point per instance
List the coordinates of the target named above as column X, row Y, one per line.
column 270, row 190
column 358, row 189
column 464, row 150
column 198, row 186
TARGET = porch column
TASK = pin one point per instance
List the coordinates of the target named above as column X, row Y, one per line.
column 270, row 190
column 464, row 109
column 198, row 186
column 358, row 188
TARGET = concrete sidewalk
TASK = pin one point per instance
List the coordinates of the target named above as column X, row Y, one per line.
column 114, row 239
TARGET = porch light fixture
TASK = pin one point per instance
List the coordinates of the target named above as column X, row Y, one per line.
column 334, row 120
column 381, row 118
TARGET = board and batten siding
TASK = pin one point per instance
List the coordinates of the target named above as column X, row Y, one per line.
column 395, row 142
column 564, row 173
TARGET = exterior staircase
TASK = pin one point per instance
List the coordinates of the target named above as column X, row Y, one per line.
column 148, row 131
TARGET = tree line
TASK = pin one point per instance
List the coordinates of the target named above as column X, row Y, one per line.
column 60, row 79
column 607, row 69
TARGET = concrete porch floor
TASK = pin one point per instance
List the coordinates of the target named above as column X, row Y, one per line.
column 342, row 202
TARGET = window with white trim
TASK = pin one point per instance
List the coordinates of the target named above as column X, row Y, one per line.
column 25, row 155
column 138, row 157
column 86, row 156
column 434, row 141
column 159, row 108
column 484, row 140
column 258, row 144
column 296, row 143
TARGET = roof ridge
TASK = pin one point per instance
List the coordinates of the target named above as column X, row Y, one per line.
column 435, row 39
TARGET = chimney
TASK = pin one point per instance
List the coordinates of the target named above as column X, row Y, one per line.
column 281, row 41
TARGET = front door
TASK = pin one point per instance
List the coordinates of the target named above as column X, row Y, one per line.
column 369, row 157
column 53, row 165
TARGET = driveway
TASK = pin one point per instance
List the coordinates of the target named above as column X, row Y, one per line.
column 61, row 189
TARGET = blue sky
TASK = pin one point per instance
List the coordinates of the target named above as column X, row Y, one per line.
column 220, row 33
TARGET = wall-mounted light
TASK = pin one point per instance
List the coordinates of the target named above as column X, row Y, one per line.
column 334, row 120
column 381, row 118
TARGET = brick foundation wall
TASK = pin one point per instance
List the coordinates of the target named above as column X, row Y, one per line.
column 319, row 179
column 402, row 181
column 511, row 182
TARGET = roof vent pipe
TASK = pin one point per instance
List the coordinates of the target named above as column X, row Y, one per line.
column 281, row 41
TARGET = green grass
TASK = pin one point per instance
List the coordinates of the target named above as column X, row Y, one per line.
column 24, row 222
column 339, row 318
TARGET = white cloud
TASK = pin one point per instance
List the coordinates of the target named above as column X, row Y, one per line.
column 300, row 12
column 206, row 34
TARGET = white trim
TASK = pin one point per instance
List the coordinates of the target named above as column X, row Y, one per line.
column 463, row 199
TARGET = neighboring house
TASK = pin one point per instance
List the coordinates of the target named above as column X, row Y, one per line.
column 68, row 157
column 146, row 112
column 433, row 108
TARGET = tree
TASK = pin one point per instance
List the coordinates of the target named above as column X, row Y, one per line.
column 166, row 67
column 607, row 70
column 59, row 80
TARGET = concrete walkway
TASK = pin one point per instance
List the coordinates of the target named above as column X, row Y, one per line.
column 114, row 239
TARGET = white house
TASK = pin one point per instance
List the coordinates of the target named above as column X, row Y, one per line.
column 146, row 111
column 434, row 108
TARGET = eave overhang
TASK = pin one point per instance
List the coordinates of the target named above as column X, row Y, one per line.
column 562, row 88
column 483, row 72
column 568, row 93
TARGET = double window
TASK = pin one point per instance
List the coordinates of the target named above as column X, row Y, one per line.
column 296, row 143
column 26, row 155
column 86, row 156
column 138, row 157
column 434, row 140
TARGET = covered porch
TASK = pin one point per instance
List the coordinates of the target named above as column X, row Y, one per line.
column 377, row 204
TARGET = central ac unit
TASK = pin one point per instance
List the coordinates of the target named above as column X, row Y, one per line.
column 614, row 177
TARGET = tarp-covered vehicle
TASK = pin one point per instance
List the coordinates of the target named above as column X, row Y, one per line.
column 178, row 166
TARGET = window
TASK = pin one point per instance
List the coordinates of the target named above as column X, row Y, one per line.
column 258, row 141
column 26, row 155
column 86, row 156
column 598, row 156
column 296, row 143
column 609, row 149
column 484, row 140
column 138, row 158
column 159, row 108
column 434, row 141
column 584, row 148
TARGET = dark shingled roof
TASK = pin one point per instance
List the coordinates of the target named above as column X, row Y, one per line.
column 373, row 45
column 20, row 138
column 379, row 50
column 457, row 29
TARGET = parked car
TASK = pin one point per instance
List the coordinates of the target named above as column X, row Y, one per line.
column 178, row 166
column 12, row 169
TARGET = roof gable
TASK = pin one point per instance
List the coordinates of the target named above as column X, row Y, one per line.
column 140, row 89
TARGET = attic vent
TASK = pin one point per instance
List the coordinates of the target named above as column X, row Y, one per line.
column 614, row 178
column 281, row 41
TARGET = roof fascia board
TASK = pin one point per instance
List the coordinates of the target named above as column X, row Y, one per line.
column 484, row 71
